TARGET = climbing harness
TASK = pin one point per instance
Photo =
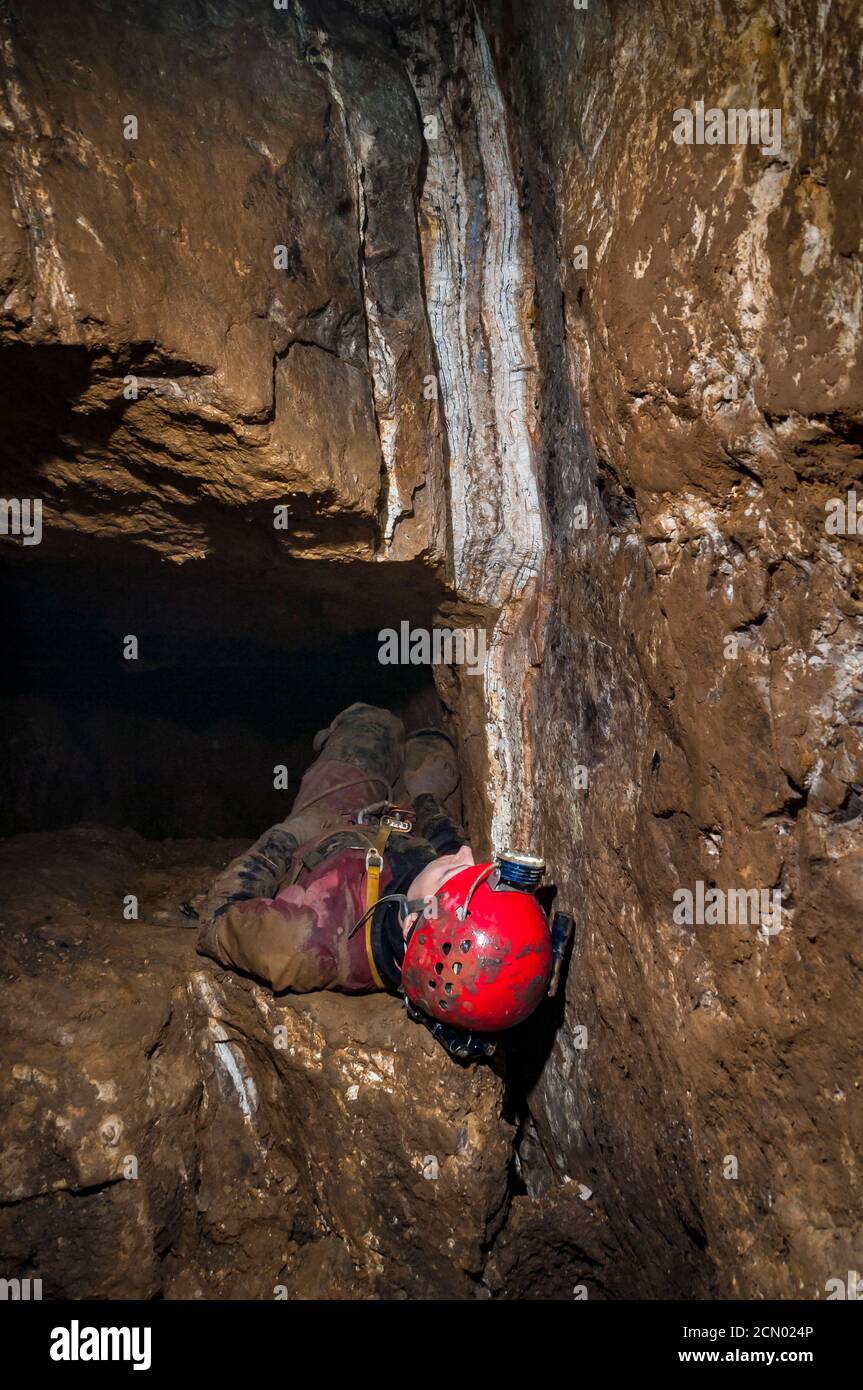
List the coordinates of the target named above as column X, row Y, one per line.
column 388, row 820
column 370, row 828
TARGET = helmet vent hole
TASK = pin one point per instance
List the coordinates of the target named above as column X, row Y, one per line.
column 447, row 947
column 456, row 967
column 432, row 984
column 442, row 1004
column 465, row 945
column 439, row 968
column 448, row 988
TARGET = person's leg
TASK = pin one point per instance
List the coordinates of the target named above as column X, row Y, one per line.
column 432, row 781
column 431, row 765
column 359, row 757
column 359, row 761
column 289, row 937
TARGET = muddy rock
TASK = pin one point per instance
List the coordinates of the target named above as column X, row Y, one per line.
column 173, row 1131
column 200, row 277
column 696, row 711
column 438, row 281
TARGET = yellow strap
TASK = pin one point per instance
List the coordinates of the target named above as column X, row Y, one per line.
column 374, row 864
column 371, row 957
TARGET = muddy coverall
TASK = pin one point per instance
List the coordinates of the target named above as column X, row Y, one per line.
column 283, row 911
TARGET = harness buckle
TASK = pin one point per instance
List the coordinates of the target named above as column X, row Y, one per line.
column 383, row 813
column 374, row 859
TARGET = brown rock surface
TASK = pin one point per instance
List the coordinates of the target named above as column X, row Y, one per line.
column 702, row 399
column 172, row 1130
column 690, row 640
column 226, row 259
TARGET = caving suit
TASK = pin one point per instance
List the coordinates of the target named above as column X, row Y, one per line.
column 283, row 911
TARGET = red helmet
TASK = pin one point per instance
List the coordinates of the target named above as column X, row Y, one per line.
column 484, row 971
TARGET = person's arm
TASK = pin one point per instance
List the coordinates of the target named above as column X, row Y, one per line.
column 245, row 928
column 269, row 939
column 257, row 873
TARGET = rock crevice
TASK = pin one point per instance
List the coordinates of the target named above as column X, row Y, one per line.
column 437, row 283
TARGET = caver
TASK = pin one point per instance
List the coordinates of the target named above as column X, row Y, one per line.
column 355, row 892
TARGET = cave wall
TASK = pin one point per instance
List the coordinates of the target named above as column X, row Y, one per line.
column 227, row 258
column 700, row 382
column 170, row 384
column 217, row 318
column 432, row 175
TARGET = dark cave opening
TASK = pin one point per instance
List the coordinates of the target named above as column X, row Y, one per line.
column 234, row 675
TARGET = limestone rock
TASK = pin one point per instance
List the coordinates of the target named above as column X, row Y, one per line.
column 440, row 279
column 701, row 656
column 174, row 1131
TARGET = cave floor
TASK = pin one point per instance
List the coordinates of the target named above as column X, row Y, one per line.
column 66, row 900
column 174, row 1131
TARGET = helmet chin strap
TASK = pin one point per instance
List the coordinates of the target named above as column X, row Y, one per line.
column 417, row 906
column 463, row 912
column 406, row 907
